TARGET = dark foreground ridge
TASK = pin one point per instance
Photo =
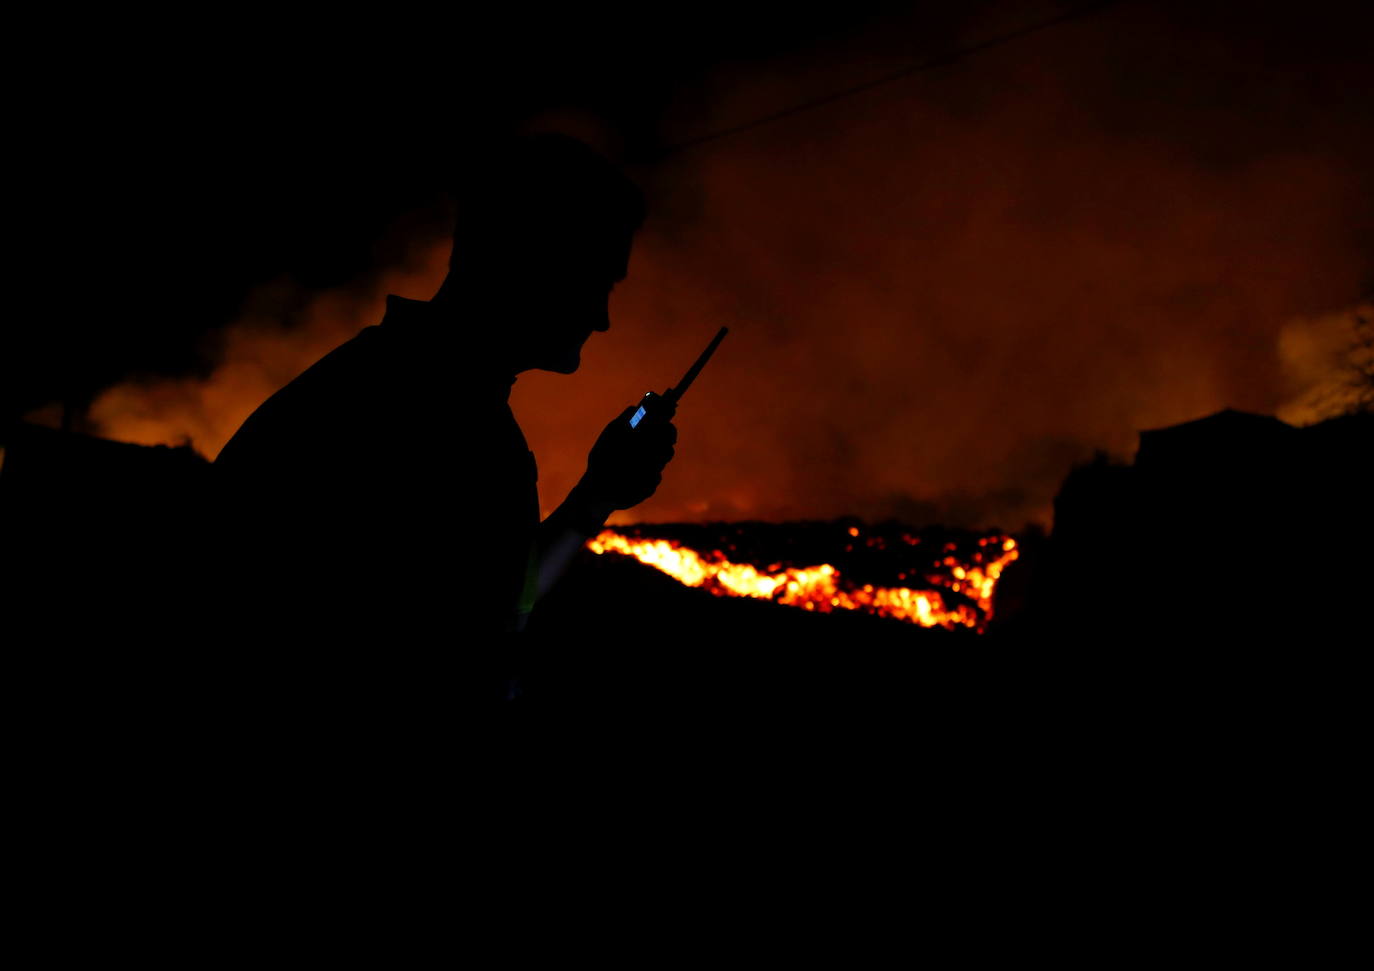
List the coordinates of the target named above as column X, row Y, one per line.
column 1233, row 533
column 1234, row 542
column 1176, row 685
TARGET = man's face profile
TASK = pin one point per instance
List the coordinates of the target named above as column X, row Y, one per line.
column 568, row 297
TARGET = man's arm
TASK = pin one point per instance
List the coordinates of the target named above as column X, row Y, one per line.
column 565, row 531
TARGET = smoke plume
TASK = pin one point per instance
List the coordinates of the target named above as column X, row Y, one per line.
column 942, row 293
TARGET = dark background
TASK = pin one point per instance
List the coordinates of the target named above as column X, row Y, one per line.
column 167, row 169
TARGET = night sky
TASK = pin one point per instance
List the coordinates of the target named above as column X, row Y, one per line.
column 943, row 291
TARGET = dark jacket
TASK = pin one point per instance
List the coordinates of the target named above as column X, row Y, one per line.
column 386, row 495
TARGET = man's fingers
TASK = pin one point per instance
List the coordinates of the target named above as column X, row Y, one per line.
column 656, row 453
column 662, row 435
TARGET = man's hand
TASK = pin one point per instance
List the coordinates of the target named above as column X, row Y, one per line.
column 624, row 468
column 626, row 464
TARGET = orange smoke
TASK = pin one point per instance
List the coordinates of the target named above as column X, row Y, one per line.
column 282, row 331
column 1328, row 363
column 942, row 294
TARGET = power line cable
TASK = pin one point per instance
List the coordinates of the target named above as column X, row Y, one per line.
column 926, row 65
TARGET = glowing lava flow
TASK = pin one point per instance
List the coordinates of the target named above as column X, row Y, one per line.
column 820, row 588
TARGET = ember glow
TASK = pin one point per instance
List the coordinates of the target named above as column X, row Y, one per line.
column 822, row 588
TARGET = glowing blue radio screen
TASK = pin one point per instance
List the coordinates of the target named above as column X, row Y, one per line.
column 634, row 419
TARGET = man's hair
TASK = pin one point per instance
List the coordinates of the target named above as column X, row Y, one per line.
column 547, row 187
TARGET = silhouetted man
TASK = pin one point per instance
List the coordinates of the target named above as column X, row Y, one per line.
column 386, row 497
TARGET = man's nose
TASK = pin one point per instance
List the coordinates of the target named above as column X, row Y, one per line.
column 601, row 321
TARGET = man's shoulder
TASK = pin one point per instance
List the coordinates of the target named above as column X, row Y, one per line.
column 353, row 366
column 362, row 354
column 378, row 391
column 329, row 392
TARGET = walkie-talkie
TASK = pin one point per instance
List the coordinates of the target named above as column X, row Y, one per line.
column 653, row 409
column 656, row 407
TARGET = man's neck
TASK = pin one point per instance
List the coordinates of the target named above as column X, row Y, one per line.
column 455, row 334
column 457, row 305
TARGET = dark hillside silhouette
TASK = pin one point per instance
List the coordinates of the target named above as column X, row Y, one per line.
column 1234, row 533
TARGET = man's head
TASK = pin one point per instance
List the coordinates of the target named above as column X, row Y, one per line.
column 543, row 233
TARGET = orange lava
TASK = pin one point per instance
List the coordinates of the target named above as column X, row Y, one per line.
column 821, row 588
